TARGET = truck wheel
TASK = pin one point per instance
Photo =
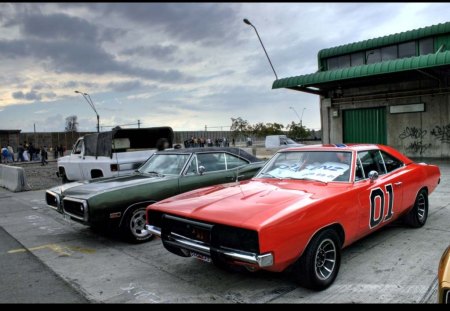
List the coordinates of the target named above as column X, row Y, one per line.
column 417, row 216
column 133, row 226
column 319, row 265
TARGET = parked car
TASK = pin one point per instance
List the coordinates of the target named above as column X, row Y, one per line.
column 121, row 201
column 444, row 278
column 109, row 154
column 280, row 141
column 302, row 208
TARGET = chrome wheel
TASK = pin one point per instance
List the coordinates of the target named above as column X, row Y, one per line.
column 325, row 259
column 421, row 207
column 137, row 224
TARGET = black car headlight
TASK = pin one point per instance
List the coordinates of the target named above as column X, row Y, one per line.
column 234, row 238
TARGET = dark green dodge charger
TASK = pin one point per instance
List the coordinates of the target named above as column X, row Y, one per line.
column 121, row 201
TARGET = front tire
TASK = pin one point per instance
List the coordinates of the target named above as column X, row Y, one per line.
column 417, row 216
column 133, row 226
column 319, row 265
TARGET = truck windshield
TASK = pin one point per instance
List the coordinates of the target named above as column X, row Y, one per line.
column 164, row 164
column 324, row 166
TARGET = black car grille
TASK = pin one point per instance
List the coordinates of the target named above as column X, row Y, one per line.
column 51, row 200
column 189, row 229
column 75, row 209
column 213, row 235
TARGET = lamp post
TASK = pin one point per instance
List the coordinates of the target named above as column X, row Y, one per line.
column 301, row 119
column 296, row 114
column 250, row 24
column 88, row 98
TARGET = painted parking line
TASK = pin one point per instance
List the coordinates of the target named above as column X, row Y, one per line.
column 59, row 249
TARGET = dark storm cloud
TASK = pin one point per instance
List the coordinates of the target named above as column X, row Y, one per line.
column 32, row 95
column 186, row 22
column 80, row 57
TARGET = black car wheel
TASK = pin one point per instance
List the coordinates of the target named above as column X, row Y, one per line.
column 417, row 216
column 133, row 226
column 319, row 265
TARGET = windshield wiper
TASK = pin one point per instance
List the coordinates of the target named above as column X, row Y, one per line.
column 268, row 175
column 311, row 179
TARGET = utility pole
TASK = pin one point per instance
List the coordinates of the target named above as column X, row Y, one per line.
column 139, row 124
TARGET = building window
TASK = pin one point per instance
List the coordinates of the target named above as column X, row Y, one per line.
column 389, row 52
column 373, row 56
column 407, row 49
column 357, row 59
column 333, row 63
column 426, row 46
column 344, row 61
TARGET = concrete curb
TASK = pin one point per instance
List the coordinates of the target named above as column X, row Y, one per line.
column 13, row 178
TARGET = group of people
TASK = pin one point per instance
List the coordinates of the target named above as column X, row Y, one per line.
column 27, row 152
column 194, row 142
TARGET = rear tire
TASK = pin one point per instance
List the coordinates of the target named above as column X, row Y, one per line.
column 319, row 265
column 417, row 216
column 133, row 226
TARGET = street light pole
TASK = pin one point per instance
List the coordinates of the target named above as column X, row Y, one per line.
column 296, row 114
column 250, row 24
column 88, row 98
column 301, row 119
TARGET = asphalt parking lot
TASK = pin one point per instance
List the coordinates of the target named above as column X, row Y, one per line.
column 396, row 264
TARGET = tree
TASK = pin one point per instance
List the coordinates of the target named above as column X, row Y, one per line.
column 72, row 124
column 239, row 126
column 297, row 132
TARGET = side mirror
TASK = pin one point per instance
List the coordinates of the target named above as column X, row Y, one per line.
column 373, row 175
column 201, row 169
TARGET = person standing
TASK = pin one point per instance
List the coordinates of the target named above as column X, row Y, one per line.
column 11, row 153
column 5, row 154
column 44, row 156
column 31, row 151
column 20, row 152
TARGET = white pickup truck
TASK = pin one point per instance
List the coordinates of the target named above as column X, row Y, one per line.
column 280, row 141
column 111, row 154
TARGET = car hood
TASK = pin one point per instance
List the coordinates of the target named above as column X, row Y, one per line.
column 251, row 204
column 87, row 189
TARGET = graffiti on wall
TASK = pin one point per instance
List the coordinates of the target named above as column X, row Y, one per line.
column 417, row 135
column 441, row 133
column 413, row 132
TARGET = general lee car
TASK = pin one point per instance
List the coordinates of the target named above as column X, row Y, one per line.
column 120, row 202
column 299, row 211
column 444, row 278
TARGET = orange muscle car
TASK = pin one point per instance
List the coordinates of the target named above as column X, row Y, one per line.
column 300, row 210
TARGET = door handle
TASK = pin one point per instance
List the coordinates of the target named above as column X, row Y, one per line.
column 399, row 183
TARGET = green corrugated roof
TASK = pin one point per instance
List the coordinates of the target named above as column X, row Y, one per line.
column 386, row 40
column 392, row 66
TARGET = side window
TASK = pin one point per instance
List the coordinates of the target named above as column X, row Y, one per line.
column 233, row 161
column 212, row 161
column 192, row 168
column 371, row 161
column 78, row 149
column 391, row 162
column 359, row 173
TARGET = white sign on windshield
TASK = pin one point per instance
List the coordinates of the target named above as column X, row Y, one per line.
column 325, row 172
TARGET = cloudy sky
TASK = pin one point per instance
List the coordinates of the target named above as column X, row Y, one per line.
column 181, row 65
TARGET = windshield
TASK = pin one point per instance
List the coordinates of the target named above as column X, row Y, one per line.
column 323, row 166
column 290, row 141
column 164, row 164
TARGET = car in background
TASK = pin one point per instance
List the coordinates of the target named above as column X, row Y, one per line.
column 444, row 278
column 280, row 141
column 121, row 201
column 302, row 208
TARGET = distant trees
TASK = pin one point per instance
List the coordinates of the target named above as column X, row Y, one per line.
column 240, row 126
column 71, row 124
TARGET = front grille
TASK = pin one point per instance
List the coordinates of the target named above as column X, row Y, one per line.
column 52, row 200
column 235, row 238
column 75, row 208
column 184, row 228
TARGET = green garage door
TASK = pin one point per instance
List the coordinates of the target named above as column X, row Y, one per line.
column 365, row 126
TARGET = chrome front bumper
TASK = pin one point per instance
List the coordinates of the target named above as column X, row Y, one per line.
column 263, row 260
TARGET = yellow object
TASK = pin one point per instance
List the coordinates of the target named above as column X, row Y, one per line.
column 444, row 277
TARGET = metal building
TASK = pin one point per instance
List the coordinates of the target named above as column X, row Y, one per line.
column 391, row 90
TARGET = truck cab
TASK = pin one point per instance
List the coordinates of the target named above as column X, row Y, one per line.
column 110, row 154
column 280, row 141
